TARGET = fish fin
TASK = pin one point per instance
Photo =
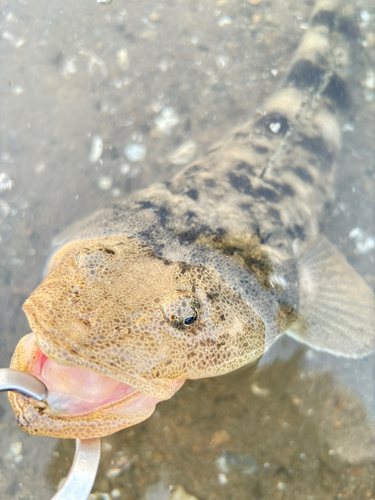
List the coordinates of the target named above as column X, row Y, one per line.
column 337, row 307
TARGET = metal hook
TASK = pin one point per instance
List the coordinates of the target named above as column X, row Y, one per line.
column 81, row 477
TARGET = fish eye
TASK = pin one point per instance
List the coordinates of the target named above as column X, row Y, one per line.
column 181, row 310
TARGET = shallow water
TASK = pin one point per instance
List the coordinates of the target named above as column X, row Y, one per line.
column 88, row 88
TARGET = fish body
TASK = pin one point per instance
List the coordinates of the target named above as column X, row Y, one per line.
column 199, row 276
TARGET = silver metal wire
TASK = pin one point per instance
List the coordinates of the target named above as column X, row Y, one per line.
column 81, row 477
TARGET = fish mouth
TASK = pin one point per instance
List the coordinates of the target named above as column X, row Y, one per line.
column 80, row 403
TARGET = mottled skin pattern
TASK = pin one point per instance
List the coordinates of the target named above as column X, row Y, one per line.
column 197, row 277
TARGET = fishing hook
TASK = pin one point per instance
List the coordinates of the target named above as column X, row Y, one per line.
column 81, row 477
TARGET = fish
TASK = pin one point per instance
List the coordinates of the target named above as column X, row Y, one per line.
column 199, row 276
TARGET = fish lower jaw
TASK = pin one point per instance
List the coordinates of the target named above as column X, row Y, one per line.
column 80, row 403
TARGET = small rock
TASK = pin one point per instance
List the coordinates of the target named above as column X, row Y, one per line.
column 135, row 152
column 96, row 149
column 184, row 153
column 369, row 83
column 15, row 448
column 229, row 460
column 166, row 120
column 6, row 182
column 106, row 447
column 104, row 182
column 122, row 59
column 180, row 494
column 224, row 21
column 12, row 39
column 258, row 391
column 281, row 486
column 224, row 63
column 219, row 437
column 222, row 479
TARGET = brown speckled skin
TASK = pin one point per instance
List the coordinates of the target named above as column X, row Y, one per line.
column 219, row 233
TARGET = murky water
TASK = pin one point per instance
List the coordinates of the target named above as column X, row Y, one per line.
column 98, row 100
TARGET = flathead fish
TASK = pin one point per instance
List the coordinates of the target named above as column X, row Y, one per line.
column 199, row 276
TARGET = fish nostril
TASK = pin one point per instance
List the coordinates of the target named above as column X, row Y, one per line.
column 94, row 258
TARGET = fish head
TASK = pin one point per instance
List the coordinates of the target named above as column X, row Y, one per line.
column 113, row 317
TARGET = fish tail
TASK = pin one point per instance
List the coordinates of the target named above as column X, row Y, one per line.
column 308, row 112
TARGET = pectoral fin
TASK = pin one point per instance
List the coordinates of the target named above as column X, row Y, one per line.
column 337, row 307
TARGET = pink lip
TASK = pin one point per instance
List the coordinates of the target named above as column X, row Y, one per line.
column 74, row 391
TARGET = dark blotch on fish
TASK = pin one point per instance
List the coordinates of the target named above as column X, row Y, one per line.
column 283, row 189
column 210, row 183
column 261, row 150
column 246, row 167
column 244, row 249
column 318, row 147
column 273, row 213
column 324, row 17
column 267, row 194
column 303, row 174
column 349, row 28
column 337, row 91
column 306, row 74
column 240, row 183
column 193, row 194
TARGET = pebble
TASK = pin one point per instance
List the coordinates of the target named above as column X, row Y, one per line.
column 18, row 90
column 4, row 209
column 258, row 391
column 281, row 486
column 229, row 460
column 125, row 168
column 96, row 149
column 224, row 63
column 254, row 2
column 219, row 437
column 122, row 59
column 135, row 152
column 224, row 21
column 106, row 447
column 369, row 83
column 184, row 153
column 95, row 60
column 166, row 120
column 6, row 183
column 69, row 68
column 179, row 493
column 40, row 167
column 12, row 39
column 115, row 493
column 15, row 448
column 102, row 496
column 222, row 479
column 105, row 182
column 18, row 459
column 365, row 17
column 363, row 242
